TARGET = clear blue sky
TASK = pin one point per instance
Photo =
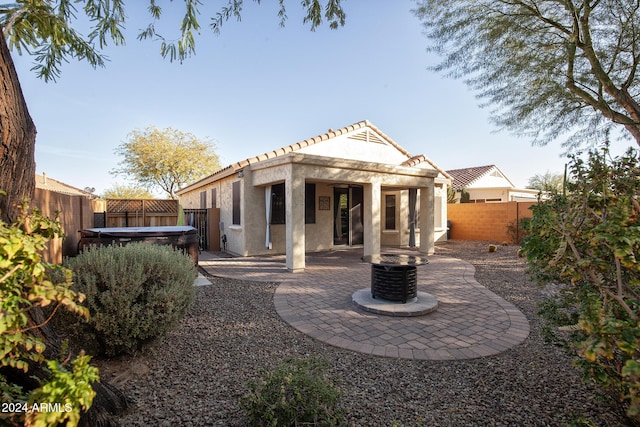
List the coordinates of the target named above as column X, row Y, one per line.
column 257, row 87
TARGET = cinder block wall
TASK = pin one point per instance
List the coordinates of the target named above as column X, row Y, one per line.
column 486, row 221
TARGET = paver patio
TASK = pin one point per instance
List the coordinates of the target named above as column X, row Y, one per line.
column 470, row 321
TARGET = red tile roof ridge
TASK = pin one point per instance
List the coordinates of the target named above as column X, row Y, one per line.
column 465, row 176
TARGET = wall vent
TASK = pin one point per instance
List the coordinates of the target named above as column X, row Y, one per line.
column 367, row 136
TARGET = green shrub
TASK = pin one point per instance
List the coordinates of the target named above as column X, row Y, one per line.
column 588, row 241
column 26, row 288
column 297, row 392
column 135, row 293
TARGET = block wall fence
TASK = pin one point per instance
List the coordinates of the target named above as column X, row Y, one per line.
column 486, row 221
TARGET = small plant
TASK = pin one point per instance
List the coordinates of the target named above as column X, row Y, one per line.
column 559, row 311
column 517, row 230
column 135, row 293
column 465, row 196
column 297, row 392
column 29, row 378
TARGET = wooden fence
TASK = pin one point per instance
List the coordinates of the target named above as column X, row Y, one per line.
column 497, row 222
column 79, row 212
column 140, row 213
column 76, row 213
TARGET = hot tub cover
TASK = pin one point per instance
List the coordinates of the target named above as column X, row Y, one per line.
column 175, row 230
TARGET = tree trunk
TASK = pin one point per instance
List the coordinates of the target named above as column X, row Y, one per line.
column 17, row 146
column 17, row 180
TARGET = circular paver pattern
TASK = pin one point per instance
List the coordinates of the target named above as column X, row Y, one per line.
column 470, row 322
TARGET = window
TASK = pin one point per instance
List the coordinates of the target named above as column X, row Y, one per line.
column 235, row 188
column 278, row 204
column 310, row 204
column 203, row 200
column 214, row 197
column 390, row 212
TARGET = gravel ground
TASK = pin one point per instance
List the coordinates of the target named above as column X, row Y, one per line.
column 196, row 375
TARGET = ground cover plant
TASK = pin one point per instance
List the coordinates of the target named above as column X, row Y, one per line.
column 135, row 293
column 38, row 386
column 586, row 243
column 296, row 392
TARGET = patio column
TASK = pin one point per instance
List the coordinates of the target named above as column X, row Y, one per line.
column 294, row 218
column 426, row 219
column 371, row 218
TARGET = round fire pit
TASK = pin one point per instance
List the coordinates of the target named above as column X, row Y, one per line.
column 394, row 277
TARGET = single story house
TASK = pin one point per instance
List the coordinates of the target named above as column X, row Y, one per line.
column 353, row 186
column 487, row 184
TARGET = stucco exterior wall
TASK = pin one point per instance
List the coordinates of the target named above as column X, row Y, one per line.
column 501, row 194
column 234, row 235
column 356, row 150
column 320, row 234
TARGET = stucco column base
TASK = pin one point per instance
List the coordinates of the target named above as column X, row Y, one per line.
column 295, row 232
column 372, row 196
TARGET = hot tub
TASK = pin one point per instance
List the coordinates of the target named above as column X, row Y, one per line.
column 180, row 237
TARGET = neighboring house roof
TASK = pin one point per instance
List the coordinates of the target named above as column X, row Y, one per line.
column 368, row 132
column 465, row 178
column 45, row 183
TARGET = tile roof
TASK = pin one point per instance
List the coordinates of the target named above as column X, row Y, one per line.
column 314, row 140
column 463, row 178
column 45, row 183
column 421, row 158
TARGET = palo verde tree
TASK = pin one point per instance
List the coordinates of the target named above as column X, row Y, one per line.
column 165, row 158
column 47, row 30
column 548, row 69
column 548, row 181
column 120, row 191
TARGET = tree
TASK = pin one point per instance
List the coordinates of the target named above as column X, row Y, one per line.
column 587, row 242
column 547, row 68
column 45, row 28
column 166, row 158
column 120, row 191
column 549, row 182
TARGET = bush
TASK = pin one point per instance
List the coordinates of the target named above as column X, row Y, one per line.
column 135, row 293
column 517, row 230
column 297, row 392
column 588, row 242
column 28, row 378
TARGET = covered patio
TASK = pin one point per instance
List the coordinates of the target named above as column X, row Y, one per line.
column 471, row 321
column 296, row 169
